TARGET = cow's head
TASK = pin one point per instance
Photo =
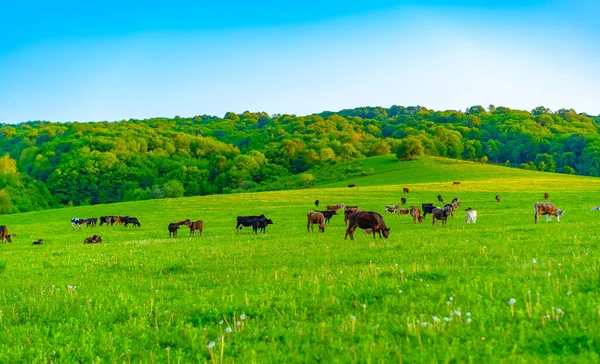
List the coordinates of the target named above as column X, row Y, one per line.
column 9, row 237
column 322, row 228
column 385, row 232
column 559, row 212
column 268, row 222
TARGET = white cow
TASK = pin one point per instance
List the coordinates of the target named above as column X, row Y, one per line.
column 471, row 216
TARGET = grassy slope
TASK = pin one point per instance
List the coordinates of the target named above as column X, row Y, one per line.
column 141, row 292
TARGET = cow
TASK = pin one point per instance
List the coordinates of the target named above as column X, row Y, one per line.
column 92, row 239
column 403, row 211
column 427, row 208
column 335, row 207
column 108, row 220
column 546, row 196
column 450, row 207
column 91, row 221
column 403, row 201
column 350, row 210
column 441, row 214
column 595, row 208
column 468, row 208
column 38, row 242
column 404, row 190
column 316, row 203
column 173, row 227
column 76, row 221
column 351, row 185
column 456, row 183
column 315, row 218
column 261, row 225
column 132, row 220
column 440, row 199
column 391, row 208
column 367, row 220
column 5, row 235
column 196, row 225
column 456, row 203
column 497, row 198
column 416, row 214
column 471, row 217
column 247, row 221
column 548, row 209
column 327, row 214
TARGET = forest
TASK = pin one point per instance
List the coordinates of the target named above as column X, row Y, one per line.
column 52, row 164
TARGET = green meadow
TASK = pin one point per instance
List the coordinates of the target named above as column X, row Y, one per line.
column 501, row 290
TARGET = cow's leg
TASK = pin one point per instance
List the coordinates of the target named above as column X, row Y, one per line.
column 547, row 217
column 557, row 218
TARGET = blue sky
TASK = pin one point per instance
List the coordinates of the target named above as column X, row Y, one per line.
column 112, row 60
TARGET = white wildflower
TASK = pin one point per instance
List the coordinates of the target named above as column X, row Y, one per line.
column 210, row 345
column 512, row 302
column 436, row 319
column 242, row 317
column 228, row 329
column 468, row 320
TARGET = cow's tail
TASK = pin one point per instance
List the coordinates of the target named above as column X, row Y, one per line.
column 535, row 212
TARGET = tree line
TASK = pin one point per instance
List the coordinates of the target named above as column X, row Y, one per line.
column 52, row 164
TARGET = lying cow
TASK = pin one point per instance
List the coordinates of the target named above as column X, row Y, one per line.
column 92, row 239
column 196, row 225
column 471, row 217
column 315, row 218
column 366, row 220
column 77, row 222
column 548, row 209
column 441, row 214
column 38, row 242
column 5, row 235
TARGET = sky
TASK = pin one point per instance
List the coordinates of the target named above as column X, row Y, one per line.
column 113, row 60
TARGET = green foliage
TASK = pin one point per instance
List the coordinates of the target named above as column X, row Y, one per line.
column 409, row 148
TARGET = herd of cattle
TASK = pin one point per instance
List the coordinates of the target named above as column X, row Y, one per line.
column 370, row 222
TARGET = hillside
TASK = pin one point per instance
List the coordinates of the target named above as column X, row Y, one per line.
column 423, row 295
column 51, row 164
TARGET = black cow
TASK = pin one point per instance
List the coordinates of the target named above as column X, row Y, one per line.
column 441, row 214
column 261, row 225
column 131, row 220
column 173, row 227
column 248, row 221
column 366, row 220
column 108, row 220
column 440, row 199
column 92, row 221
column 427, row 208
column 38, row 242
column 316, row 203
column 328, row 214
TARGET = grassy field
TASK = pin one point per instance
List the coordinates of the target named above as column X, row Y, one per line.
column 425, row 294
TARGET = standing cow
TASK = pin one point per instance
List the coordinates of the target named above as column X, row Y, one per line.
column 195, row 225
column 441, row 214
column 440, row 199
column 471, row 217
column 497, row 198
column 416, row 214
column 548, row 209
column 405, row 190
column 546, row 196
column 403, row 201
column 367, row 220
column 315, row 218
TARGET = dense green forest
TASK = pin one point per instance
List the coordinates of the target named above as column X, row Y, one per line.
column 48, row 164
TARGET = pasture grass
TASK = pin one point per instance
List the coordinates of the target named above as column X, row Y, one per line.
column 425, row 294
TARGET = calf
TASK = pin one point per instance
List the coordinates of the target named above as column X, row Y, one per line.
column 548, row 209
column 416, row 214
column 391, row 208
column 403, row 211
column 5, row 235
column 173, row 227
column 196, row 225
column 497, row 198
column 315, row 218
column 367, row 220
column 38, row 242
column 440, row 214
column 92, row 239
column 328, row 214
column 427, row 208
column 91, row 221
column 77, row 222
column 468, row 208
column 471, row 217
column 546, row 196
column 261, row 225
column 403, row 201
column 404, row 190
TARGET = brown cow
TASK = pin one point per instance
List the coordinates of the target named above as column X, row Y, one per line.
column 548, row 209
column 5, row 235
column 416, row 214
column 350, row 210
column 456, row 182
column 315, row 217
column 546, row 196
column 335, row 207
column 196, row 225
column 403, row 201
column 367, row 220
column 92, row 239
column 403, row 211
column 497, row 198
column 405, row 190
column 391, row 208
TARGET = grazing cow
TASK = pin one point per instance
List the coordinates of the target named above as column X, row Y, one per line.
column 261, row 225
column 441, row 214
column 471, row 217
column 440, row 199
column 108, row 220
column 468, row 208
column 328, row 214
column 351, row 185
column 548, row 209
column 5, row 235
column 349, row 210
column 77, row 222
column 416, row 214
column 404, row 190
column 367, row 220
column 497, row 198
column 196, row 225
column 391, row 208
column 315, row 218
column 173, row 227
column 335, row 207
column 427, row 208
column 91, row 221
column 316, row 203
column 546, row 196
column 456, row 182
column 133, row 221
column 403, row 211
column 403, row 201
column 248, row 221
column 92, row 239
column 38, row 242
column 456, row 203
